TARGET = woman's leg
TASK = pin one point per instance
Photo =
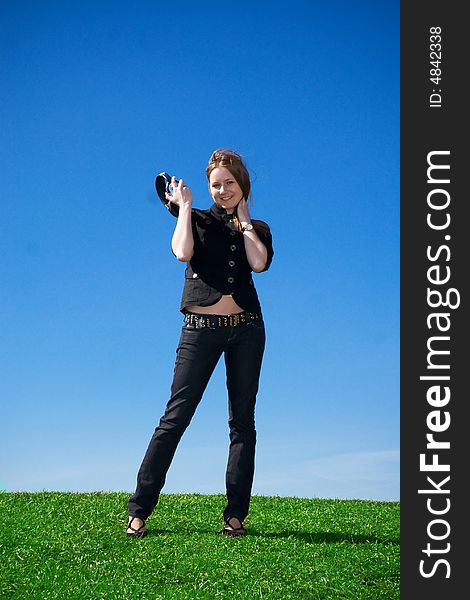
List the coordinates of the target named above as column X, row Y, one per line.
column 243, row 358
column 196, row 357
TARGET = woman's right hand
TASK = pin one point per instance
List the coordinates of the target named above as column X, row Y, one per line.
column 182, row 195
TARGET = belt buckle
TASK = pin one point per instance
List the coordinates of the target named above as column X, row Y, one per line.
column 191, row 321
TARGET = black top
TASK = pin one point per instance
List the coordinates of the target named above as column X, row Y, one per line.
column 219, row 265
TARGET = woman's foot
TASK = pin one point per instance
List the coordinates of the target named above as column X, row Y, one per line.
column 136, row 527
column 233, row 527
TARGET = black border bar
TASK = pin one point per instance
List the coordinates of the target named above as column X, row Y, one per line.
column 434, row 330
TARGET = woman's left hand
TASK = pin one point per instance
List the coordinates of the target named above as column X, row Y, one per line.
column 243, row 213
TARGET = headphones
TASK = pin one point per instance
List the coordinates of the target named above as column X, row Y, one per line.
column 163, row 185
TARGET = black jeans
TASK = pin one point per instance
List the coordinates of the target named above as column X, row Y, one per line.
column 197, row 354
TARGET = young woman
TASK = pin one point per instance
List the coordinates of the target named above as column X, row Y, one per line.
column 222, row 315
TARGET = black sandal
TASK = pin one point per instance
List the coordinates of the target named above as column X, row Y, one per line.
column 232, row 531
column 141, row 532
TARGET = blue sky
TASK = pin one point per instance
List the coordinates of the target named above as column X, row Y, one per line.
column 97, row 99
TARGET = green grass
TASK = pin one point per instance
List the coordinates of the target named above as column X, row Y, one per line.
column 70, row 545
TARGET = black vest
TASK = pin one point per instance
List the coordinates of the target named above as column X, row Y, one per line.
column 219, row 265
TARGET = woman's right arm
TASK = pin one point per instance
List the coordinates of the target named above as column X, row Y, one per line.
column 182, row 242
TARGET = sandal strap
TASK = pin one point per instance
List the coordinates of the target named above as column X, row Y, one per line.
column 231, row 530
column 234, row 528
column 129, row 525
column 231, row 527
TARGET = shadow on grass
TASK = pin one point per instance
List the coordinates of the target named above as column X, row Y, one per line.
column 317, row 537
column 326, row 537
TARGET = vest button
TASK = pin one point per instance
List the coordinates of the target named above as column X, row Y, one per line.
column 233, row 232
column 231, row 279
column 194, row 275
column 231, row 263
column 233, row 247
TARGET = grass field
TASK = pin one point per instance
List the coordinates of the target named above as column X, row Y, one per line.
column 71, row 545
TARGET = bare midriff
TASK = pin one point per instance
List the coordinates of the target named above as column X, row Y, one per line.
column 225, row 306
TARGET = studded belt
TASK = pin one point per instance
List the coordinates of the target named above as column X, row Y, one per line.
column 201, row 321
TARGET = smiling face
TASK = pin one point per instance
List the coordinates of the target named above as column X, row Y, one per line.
column 224, row 189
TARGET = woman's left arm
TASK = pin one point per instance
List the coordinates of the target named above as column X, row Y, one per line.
column 256, row 252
